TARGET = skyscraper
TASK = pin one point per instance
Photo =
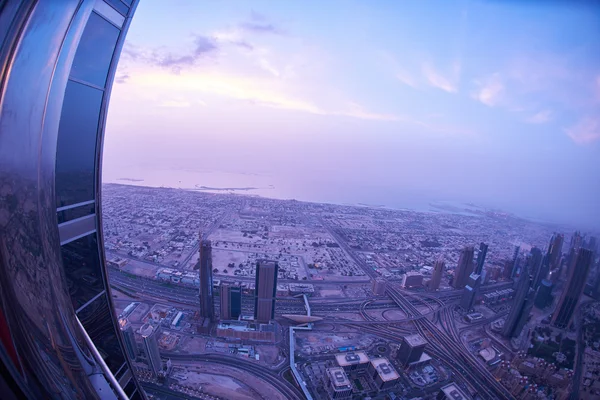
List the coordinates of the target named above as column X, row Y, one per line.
column 206, row 281
column 543, row 296
column 534, row 261
column 129, row 338
column 577, row 275
column 555, row 249
column 515, row 261
column 411, row 348
column 231, row 301
column 483, row 248
column 436, row 276
column 464, row 267
column 519, row 304
column 576, row 240
column 470, row 292
column 265, row 291
column 149, row 337
column 542, row 272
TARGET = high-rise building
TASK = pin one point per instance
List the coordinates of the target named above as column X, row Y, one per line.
column 592, row 244
column 379, row 286
column 577, row 275
column 519, row 304
column 543, row 297
column 265, row 291
column 231, row 301
column 470, row 292
column 464, row 267
column 507, row 270
column 436, row 276
column 542, row 272
column 207, row 309
column 525, row 313
column 576, row 241
column 534, row 261
column 129, row 338
column 555, row 249
column 337, row 384
column 515, row 261
column 149, row 337
column 483, row 248
column 411, row 349
column 58, row 64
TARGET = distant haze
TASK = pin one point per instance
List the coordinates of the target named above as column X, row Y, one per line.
column 394, row 103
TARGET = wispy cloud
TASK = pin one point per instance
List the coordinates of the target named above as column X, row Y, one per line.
column 447, row 82
column 175, row 104
column 122, row 78
column 259, row 23
column 586, row 131
column 540, row 118
column 489, row 91
column 406, row 78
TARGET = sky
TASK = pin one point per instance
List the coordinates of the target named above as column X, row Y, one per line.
column 492, row 102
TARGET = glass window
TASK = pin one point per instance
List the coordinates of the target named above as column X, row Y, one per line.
column 76, row 212
column 76, row 148
column 119, row 6
column 96, row 318
column 95, row 51
column 81, row 263
column 129, row 388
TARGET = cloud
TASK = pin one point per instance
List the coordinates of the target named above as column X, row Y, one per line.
column 490, row 91
column 175, row 104
column 540, row 118
column 586, row 131
column 447, row 83
column 202, row 46
column 122, row 78
column 405, row 78
column 261, row 27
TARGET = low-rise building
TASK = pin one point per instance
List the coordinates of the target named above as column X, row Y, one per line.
column 412, row 279
column 452, row 392
column 243, row 330
column 383, row 373
column 352, row 361
column 337, row 383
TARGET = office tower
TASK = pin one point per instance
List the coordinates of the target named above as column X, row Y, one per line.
column 206, row 280
column 525, row 312
column 483, row 248
column 576, row 241
column 150, row 339
column 378, row 287
column 231, row 301
column 534, row 261
column 543, row 297
column 515, row 261
column 436, row 276
column 59, row 60
column 129, row 338
column 411, row 349
column 337, row 383
column 508, row 269
column 452, row 391
column 383, row 374
column 577, row 275
column 542, row 272
column 265, row 291
column 519, row 303
column 592, row 244
column 470, row 292
column 555, row 249
column 464, row 268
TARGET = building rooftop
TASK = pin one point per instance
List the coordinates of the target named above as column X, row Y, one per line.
column 351, row 358
column 452, row 391
column 146, row 330
column 415, row 340
column 245, row 326
column 384, row 369
column 338, row 378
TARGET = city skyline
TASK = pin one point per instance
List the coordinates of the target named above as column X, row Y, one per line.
column 440, row 103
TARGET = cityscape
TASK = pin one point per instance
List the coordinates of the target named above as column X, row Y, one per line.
column 229, row 296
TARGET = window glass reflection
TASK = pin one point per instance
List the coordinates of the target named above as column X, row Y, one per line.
column 95, row 51
column 119, row 6
column 82, row 269
column 76, row 148
column 97, row 321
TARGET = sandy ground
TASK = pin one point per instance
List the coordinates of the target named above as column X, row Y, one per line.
column 319, row 342
column 394, row 315
column 229, row 383
column 193, row 345
column 331, row 293
column 268, row 354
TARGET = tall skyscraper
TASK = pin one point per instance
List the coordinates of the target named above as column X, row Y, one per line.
column 519, row 304
column 206, row 280
column 149, row 337
column 436, row 276
column 129, row 338
column 525, row 312
column 592, row 244
column 265, row 291
column 555, row 249
column 483, row 248
column 231, row 301
column 464, row 267
column 515, row 261
column 470, row 292
column 542, row 272
column 576, row 241
column 577, row 275
column 411, row 348
column 543, row 296
column 534, row 261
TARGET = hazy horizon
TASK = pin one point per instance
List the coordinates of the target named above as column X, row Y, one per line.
column 388, row 105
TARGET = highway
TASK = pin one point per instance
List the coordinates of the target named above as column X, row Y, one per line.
column 447, row 348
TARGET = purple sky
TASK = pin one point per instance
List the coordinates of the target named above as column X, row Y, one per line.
column 485, row 101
